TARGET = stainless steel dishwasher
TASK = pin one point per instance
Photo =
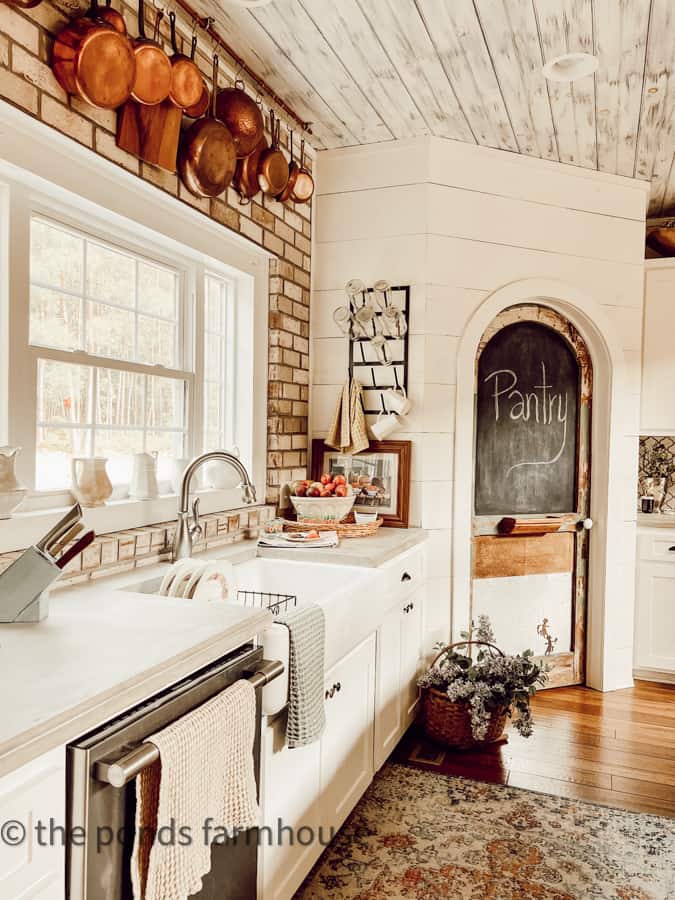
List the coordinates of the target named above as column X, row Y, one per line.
column 102, row 766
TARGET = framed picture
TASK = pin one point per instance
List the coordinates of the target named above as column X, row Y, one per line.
column 379, row 476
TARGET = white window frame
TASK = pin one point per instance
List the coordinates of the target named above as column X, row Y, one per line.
column 43, row 173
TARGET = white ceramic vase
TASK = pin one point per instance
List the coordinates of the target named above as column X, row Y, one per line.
column 91, row 485
column 144, row 479
column 11, row 492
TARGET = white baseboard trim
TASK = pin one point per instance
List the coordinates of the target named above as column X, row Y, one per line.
column 654, row 675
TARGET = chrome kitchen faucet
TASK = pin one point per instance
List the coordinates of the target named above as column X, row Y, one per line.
column 185, row 531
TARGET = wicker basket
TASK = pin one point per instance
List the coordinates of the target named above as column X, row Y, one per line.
column 345, row 529
column 449, row 721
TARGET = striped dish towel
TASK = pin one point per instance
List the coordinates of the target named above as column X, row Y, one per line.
column 307, row 637
column 205, row 772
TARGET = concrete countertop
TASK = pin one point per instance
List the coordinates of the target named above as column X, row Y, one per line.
column 656, row 520
column 373, row 551
column 105, row 645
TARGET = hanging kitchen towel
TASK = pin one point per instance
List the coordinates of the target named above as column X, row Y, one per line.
column 307, row 638
column 348, row 432
column 205, row 772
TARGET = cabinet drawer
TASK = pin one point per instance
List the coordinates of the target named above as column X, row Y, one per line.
column 404, row 575
column 659, row 546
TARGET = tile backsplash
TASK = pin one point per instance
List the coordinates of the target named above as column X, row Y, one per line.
column 121, row 551
column 648, row 442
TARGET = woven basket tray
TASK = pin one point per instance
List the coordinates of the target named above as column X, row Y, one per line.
column 449, row 721
column 345, row 529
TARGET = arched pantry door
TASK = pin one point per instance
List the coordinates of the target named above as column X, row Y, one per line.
column 531, row 487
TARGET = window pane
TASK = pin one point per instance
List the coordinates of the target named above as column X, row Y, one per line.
column 110, row 331
column 212, row 367
column 63, row 393
column 168, row 446
column 55, row 449
column 119, row 398
column 118, row 447
column 111, row 275
column 56, row 256
column 212, row 420
column 212, row 441
column 212, row 312
column 54, row 319
column 164, row 402
column 157, row 291
column 156, row 342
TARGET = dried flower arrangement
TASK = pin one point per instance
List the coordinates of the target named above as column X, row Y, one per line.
column 491, row 684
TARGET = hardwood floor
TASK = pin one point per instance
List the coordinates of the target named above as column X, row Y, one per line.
column 616, row 748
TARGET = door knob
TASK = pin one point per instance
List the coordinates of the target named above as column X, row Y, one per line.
column 587, row 524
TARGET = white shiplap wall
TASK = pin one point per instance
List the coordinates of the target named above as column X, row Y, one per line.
column 458, row 222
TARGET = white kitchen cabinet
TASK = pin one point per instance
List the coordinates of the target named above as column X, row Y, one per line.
column 658, row 360
column 399, row 650
column 347, row 742
column 655, row 618
column 34, row 794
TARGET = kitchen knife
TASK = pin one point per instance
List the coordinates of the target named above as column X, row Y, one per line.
column 70, row 535
column 73, row 515
column 76, row 549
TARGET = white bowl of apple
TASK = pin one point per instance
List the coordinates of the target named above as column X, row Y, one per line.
column 329, row 500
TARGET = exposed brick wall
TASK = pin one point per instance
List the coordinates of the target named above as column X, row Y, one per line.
column 26, row 81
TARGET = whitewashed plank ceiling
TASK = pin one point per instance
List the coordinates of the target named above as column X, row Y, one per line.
column 364, row 71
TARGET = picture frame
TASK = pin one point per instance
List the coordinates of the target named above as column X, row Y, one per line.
column 382, row 472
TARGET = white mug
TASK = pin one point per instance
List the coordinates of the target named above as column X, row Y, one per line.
column 397, row 400
column 386, row 424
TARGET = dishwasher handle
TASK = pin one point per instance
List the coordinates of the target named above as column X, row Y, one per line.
column 132, row 764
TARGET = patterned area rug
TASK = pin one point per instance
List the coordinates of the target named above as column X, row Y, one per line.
column 417, row 835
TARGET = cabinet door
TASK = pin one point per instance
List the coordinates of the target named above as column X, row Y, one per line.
column 290, row 787
column 31, row 795
column 388, row 705
column 658, row 363
column 655, row 620
column 347, row 742
column 411, row 652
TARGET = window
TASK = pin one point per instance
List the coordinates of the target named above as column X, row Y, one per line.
column 100, row 301
column 218, row 357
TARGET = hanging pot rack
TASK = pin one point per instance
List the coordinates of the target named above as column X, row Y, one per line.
column 206, row 23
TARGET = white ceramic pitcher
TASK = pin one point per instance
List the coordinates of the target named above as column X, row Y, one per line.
column 11, row 492
column 91, row 485
column 144, row 479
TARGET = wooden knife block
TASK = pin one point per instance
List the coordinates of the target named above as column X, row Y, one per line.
column 150, row 132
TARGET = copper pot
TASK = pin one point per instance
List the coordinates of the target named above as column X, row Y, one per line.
column 242, row 116
column 186, row 82
column 662, row 239
column 273, row 167
column 113, row 17
column 22, row 4
column 245, row 180
column 303, row 189
column 199, row 108
column 293, row 172
column 207, row 157
column 93, row 61
column 153, row 67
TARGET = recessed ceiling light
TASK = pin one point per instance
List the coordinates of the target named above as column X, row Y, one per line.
column 571, row 66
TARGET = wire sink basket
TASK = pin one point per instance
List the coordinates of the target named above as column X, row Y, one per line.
column 274, row 602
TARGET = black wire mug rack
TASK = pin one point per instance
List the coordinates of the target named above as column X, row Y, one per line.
column 274, row 602
column 380, row 376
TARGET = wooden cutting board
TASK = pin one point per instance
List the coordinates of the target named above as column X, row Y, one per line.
column 150, row 132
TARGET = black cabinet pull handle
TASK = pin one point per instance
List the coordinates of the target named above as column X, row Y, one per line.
column 338, row 686
column 671, row 549
column 334, row 689
column 406, row 576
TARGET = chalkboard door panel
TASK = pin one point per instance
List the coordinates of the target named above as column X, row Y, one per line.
column 534, row 385
column 527, row 404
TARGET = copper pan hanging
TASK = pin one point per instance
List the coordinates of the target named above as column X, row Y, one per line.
column 113, row 17
column 153, row 67
column 245, row 180
column 303, row 188
column 198, row 109
column 273, row 166
column 293, row 172
column 93, row 61
column 186, row 81
column 207, row 157
column 243, row 117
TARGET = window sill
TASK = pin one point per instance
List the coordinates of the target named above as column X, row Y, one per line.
column 25, row 529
